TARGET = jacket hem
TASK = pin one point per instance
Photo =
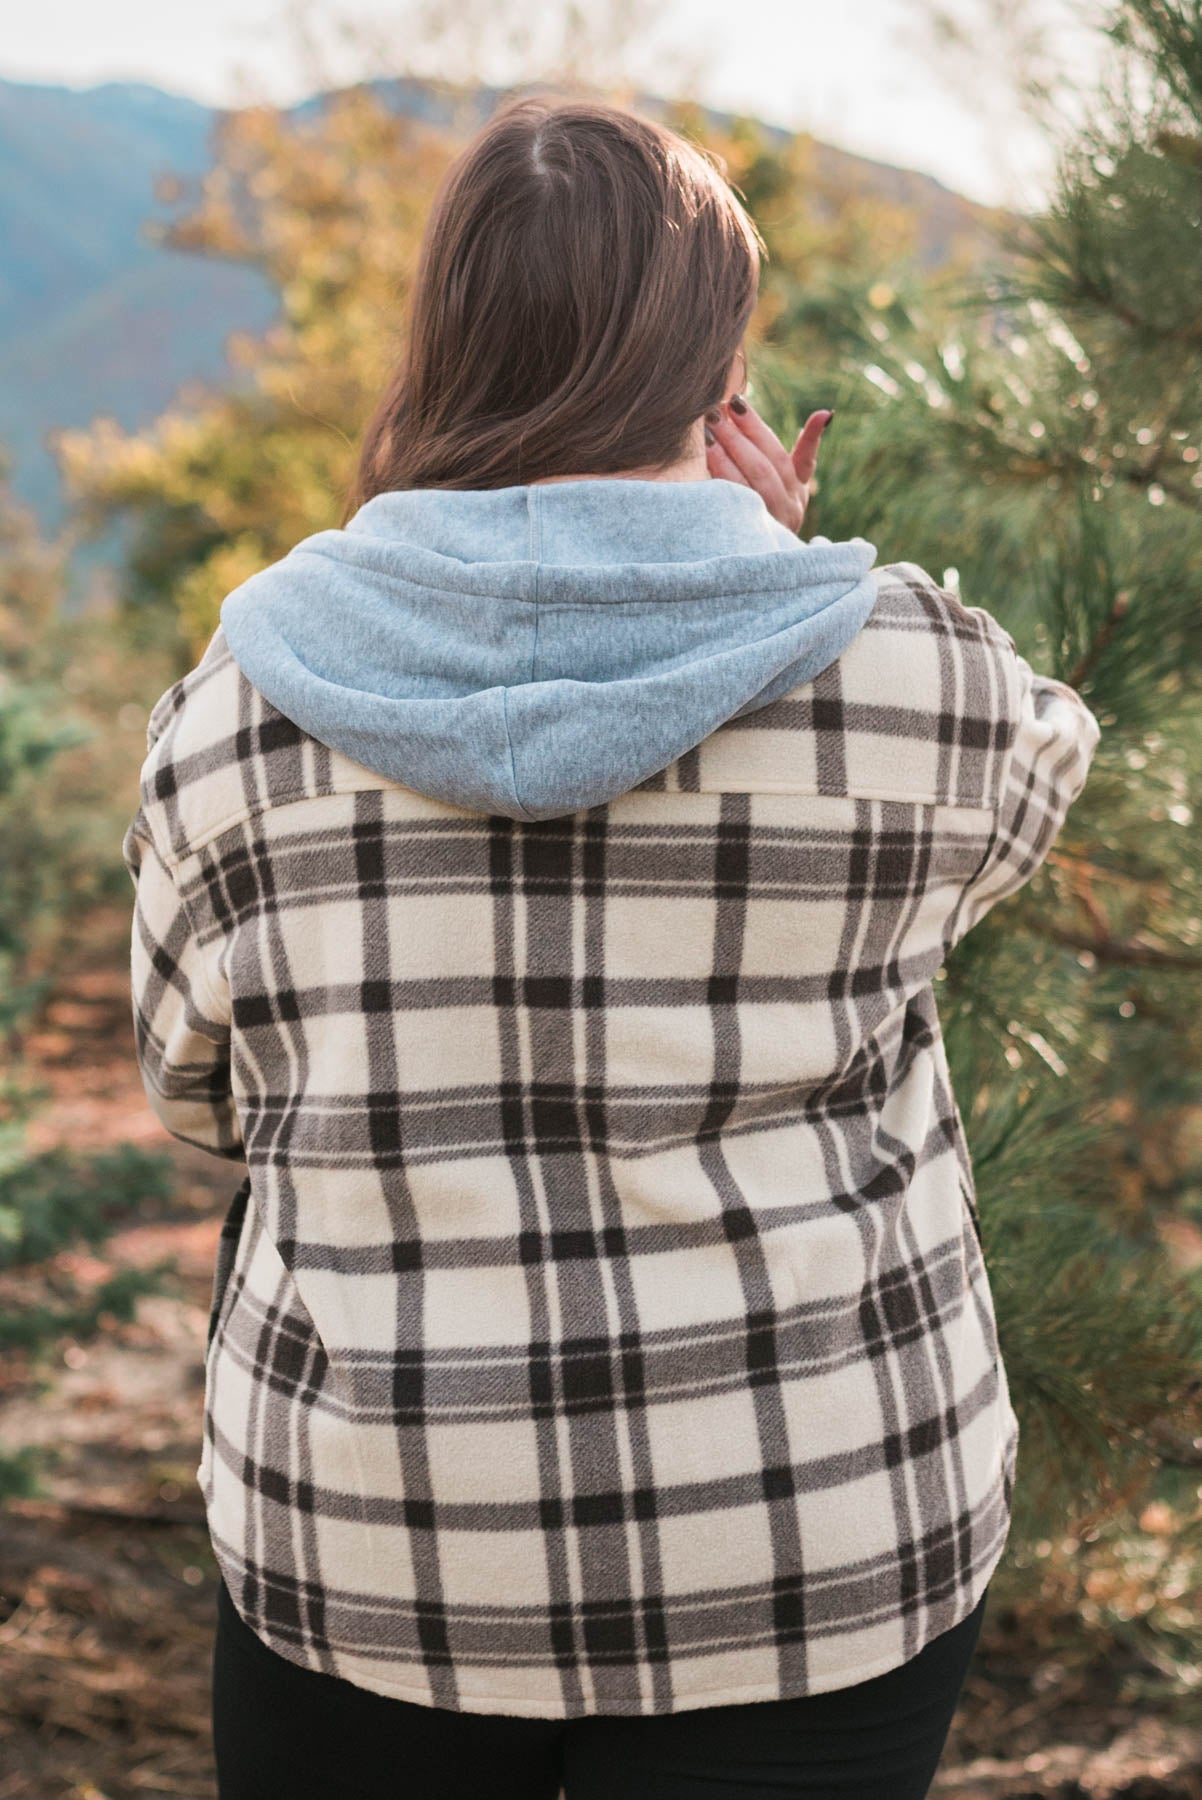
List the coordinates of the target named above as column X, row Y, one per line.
column 693, row 1700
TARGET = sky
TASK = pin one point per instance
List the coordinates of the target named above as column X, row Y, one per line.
column 862, row 74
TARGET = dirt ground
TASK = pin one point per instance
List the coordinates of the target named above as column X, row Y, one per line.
column 107, row 1585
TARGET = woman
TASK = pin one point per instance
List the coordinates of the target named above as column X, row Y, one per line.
column 540, row 882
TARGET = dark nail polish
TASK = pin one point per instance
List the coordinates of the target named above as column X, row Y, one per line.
column 830, row 415
column 713, row 416
column 709, row 436
column 737, row 403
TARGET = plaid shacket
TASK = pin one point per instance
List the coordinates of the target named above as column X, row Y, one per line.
column 602, row 1326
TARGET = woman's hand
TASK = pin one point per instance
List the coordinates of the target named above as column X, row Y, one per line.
column 740, row 447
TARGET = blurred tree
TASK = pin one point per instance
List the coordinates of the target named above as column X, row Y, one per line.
column 32, row 733
column 57, row 830
column 330, row 206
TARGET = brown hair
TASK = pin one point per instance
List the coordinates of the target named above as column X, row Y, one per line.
column 585, row 279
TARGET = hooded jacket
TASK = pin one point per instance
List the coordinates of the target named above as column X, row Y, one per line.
column 544, row 891
column 532, row 650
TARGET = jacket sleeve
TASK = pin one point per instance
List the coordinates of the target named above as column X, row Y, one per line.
column 181, row 1008
column 1043, row 773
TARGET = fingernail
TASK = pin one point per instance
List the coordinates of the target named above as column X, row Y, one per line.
column 738, row 404
column 709, row 436
column 830, row 415
column 713, row 416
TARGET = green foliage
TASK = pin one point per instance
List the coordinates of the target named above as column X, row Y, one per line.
column 60, row 833
column 33, row 732
column 53, row 1202
column 56, row 1200
column 32, row 1328
column 19, row 1474
column 30, row 738
column 72, row 725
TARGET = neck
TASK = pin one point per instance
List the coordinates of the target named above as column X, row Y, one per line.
column 691, row 467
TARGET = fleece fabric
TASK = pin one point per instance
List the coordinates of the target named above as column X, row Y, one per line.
column 528, row 651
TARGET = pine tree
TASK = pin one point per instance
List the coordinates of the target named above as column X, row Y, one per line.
column 1034, row 439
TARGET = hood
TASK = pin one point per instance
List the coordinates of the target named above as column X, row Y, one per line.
column 534, row 650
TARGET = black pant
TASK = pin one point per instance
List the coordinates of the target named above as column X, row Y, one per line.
column 283, row 1732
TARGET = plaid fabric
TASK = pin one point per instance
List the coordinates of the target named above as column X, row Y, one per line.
column 603, row 1325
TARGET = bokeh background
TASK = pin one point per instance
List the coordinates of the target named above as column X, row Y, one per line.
column 985, row 240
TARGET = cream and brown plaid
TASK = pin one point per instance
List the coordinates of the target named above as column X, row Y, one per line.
column 602, row 1325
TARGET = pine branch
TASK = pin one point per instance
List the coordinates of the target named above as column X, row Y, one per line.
column 1119, row 950
column 1174, row 1448
column 1083, row 291
column 1100, row 641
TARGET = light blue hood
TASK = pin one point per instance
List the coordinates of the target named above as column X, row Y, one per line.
column 533, row 650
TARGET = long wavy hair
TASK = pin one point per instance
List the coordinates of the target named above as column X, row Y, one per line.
column 586, row 277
